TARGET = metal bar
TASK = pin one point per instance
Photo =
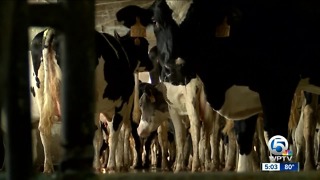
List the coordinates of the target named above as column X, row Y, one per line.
column 16, row 96
column 46, row 15
column 78, row 64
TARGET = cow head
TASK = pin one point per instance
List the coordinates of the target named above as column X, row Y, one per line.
column 154, row 110
column 137, row 53
column 171, row 43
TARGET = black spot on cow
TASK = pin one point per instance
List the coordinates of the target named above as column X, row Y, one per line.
column 121, row 57
column 36, row 52
column 37, row 82
column 32, row 91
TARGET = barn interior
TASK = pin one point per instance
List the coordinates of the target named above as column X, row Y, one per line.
column 105, row 21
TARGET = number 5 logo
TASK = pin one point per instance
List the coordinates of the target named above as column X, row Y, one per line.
column 277, row 145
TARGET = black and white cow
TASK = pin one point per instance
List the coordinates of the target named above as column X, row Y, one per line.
column 183, row 99
column 245, row 51
column 117, row 59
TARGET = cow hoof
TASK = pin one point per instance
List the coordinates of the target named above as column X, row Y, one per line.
column 178, row 169
column 111, row 170
column 138, row 166
column 214, row 168
column 123, row 169
column 309, row 167
column 318, row 166
column 48, row 169
column 103, row 170
column 227, row 169
column 165, row 168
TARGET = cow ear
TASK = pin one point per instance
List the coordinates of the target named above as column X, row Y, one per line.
column 116, row 35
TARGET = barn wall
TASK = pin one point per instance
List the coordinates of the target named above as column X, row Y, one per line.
column 105, row 20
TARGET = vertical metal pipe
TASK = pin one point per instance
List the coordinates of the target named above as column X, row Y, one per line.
column 78, row 62
column 16, row 99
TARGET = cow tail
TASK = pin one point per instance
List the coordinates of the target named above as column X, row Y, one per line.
column 52, row 81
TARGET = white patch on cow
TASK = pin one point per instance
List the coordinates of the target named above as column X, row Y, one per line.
column 177, row 96
column 143, row 129
column 180, row 9
column 146, row 127
column 104, row 105
column 305, row 85
column 245, row 163
column 240, row 103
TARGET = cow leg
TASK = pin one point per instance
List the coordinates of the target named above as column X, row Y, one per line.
column 215, row 140
column 232, row 151
column 195, row 135
column 172, row 149
column 309, row 131
column 180, row 137
column 153, row 152
column 223, row 151
column 299, row 139
column 114, row 126
column 163, row 141
column 245, row 131
column 46, row 136
column 138, row 146
column 262, row 143
column 207, row 127
column 204, row 147
column 201, row 147
column 97, row 143
column 148, row 149
column 127, row 132
column 120, row 150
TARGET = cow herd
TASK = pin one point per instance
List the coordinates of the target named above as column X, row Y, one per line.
column 226, row 76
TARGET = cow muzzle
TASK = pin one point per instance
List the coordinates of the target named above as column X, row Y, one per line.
column 143, row 130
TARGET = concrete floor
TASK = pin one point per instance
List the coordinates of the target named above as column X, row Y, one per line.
column 187, row 176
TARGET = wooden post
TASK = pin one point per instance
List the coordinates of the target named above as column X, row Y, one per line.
column 78, row 65
column 75, row 19
column 16, row 99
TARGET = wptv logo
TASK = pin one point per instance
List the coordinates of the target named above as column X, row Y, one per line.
column 279, row 149
column 281, row 156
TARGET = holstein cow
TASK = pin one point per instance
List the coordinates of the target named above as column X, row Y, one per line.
column 245, row 51
column 117, row 59
column 183, row 99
